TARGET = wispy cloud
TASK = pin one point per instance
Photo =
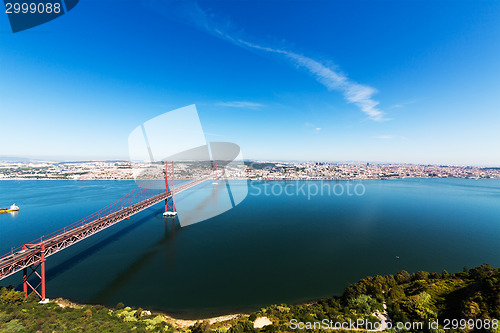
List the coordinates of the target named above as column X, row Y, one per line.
column 241, row 104
column 330, row 77
column 309, row 125
column 400, row 105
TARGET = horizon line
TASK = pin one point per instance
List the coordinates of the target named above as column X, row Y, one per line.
column 89, row 160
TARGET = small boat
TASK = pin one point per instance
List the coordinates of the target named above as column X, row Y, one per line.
column 169, row 214
column 12, row 208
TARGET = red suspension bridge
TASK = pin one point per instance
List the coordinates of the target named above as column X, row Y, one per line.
column 31, row 257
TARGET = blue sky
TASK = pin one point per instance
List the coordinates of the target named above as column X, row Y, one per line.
column 386, row 81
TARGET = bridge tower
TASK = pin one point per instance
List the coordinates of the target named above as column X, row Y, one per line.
column 214, row 172
column 33, row 270
column 170, row 184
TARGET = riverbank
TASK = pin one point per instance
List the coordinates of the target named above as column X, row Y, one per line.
column 168, row 319
column 373, row 304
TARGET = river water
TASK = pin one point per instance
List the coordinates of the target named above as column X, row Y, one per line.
column 287, row 242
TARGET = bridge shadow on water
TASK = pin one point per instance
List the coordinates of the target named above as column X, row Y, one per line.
column 172, row 226
column 104, row 296
column 69, row 263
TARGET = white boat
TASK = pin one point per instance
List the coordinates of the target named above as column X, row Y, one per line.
column 169, row 214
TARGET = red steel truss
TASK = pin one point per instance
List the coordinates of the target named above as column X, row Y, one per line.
column 214, row 172
column 41, row 276
column 169, row 184
column 33, row 255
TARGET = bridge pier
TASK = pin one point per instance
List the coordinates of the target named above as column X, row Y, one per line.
column 214, row 172
column 41, row 275
column 170, row 200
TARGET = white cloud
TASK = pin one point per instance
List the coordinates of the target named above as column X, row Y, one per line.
column 309, row 125
column 241, row 104
column 401, row 105
column 355, row 93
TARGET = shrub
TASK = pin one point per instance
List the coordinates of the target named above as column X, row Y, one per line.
column 242, row 327
column 12, row 297
column 420, row 275
column 200, row 327
column 87, row 313
column 32, row 298
column 14, row 326
column 402, row 277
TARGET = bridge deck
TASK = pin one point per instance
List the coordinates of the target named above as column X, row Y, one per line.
column 31, row 253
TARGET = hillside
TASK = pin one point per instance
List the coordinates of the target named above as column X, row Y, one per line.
column 421, row 300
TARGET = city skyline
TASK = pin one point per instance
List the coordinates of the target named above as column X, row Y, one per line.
column 251, row 170
column 315, row 81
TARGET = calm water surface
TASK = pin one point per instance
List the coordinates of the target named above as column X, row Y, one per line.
column 269, row 249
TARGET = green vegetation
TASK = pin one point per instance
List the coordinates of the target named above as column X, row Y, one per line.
column 420, row 297
column 20, row 315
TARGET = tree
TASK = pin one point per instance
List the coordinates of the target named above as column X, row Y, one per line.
column 390, row 281
column 14, row 326
column 420, row 275
column 138, row 313
column 32, row 298
column 420, row 306
column 87, row 313
column 11, row 297
column 396, row 293
column 470, row 309
column 481, row 272
column 200, row 327
column 362, row 304
column 402, row 277
column 242, row 327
